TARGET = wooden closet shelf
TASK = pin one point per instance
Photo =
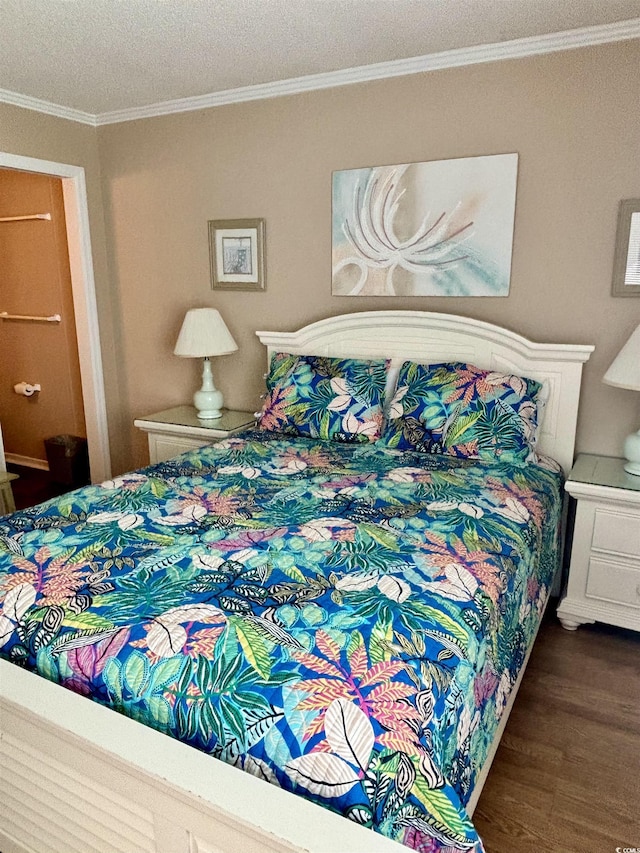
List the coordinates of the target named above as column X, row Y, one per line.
column 23, row 218
column 53, row 318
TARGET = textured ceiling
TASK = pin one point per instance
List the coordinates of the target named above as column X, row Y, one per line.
column 103, row 55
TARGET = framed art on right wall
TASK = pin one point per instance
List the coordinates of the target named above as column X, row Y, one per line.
column 626, row 260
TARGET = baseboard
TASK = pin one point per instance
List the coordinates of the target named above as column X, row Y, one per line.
column 27, row 462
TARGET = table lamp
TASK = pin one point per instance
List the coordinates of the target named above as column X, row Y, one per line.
column 625, row 373
column 203, row 335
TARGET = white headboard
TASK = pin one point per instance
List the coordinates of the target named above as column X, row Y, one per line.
column 428, row 337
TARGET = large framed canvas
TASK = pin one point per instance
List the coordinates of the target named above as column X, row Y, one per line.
column 440, row 228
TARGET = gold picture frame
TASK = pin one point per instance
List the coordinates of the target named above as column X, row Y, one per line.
column 236, row 254
column 626, row 259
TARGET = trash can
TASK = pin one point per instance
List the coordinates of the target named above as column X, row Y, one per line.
column 68, row 458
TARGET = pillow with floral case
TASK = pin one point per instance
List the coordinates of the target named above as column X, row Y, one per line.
column 336, row 399
column 461, row 410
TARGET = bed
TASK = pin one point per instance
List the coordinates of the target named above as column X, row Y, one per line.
column 362, row 615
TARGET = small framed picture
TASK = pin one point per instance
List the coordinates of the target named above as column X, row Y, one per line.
column 626, row 260
column 236, row 252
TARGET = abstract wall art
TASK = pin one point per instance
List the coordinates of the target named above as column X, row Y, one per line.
column 441, row 228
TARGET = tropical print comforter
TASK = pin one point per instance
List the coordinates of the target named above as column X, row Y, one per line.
column 343, row 621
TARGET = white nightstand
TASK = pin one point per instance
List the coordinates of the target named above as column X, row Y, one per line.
column 175, row 431
column 604, row 576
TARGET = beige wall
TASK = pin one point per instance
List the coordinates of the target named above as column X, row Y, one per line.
column 35, row 279
column 572, row 117
column 32, row 134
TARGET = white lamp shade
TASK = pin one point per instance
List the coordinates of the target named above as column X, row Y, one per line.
column 625, row 368
column 204, row 334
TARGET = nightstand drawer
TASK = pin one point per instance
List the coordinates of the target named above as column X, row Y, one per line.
column 165, row 447
column 613, row 582
column 617, row 532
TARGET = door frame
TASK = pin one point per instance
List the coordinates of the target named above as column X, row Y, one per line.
column 74, row 190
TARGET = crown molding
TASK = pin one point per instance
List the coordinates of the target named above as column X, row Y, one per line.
column 40, row 106
column 515, row 49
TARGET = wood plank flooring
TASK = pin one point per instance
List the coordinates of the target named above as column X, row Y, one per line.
column 33, row 486
column 566, row 777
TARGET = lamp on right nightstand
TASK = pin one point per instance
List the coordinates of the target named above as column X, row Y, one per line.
column 625, row 373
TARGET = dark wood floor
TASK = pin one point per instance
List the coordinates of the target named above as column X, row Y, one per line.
column 33, row 486
column 566, row 778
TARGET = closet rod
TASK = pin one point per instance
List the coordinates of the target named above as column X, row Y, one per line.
column 54, row 318
column 22, row 218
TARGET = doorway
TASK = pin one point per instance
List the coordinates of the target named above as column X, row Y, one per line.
column 82, row 313
column 40, row 389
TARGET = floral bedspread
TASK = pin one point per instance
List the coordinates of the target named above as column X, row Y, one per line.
column 343, row 621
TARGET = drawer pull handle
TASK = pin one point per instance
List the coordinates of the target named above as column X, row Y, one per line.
column 638, row 590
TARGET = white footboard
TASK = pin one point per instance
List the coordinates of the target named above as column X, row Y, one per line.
column 66, row 790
